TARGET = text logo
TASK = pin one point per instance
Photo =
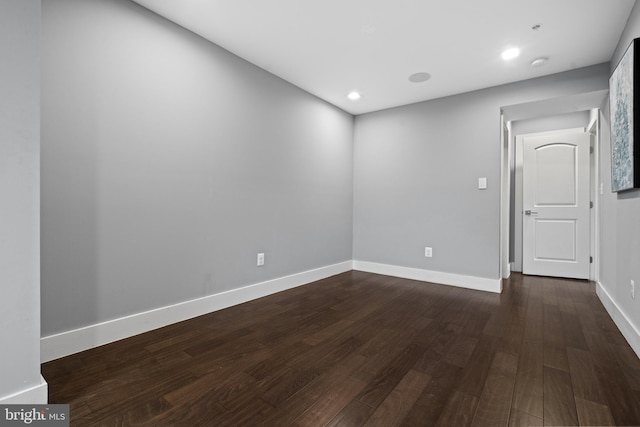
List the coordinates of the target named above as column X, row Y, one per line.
column 34, row 415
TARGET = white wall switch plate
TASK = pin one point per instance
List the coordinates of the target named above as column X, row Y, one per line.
column 633, row 289
column 260, row 259
column 482, row 183
column 428, row 252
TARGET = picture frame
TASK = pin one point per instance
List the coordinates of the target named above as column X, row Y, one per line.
column 625, row 138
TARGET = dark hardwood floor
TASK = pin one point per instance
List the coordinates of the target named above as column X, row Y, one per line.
column 363, row 349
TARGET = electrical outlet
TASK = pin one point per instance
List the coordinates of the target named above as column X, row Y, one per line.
column 633, row 289
column 428, row 252
column 260, row 259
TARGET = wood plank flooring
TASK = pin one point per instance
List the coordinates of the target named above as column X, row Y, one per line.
column 363, row 349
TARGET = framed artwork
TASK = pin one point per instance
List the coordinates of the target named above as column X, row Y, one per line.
column 625, row 144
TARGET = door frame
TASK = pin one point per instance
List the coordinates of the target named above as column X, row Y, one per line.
column 506, row 153
column 594, row 130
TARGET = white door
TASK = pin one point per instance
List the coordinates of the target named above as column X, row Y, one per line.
column 556, row 216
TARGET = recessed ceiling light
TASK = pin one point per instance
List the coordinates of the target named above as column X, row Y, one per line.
column 508, row 54
column 353, row 95
column 419, row 77
column 539, row 62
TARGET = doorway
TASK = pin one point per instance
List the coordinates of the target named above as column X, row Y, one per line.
column 573, row 112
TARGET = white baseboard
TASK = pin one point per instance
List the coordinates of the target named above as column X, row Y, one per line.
column 36, row 395
column 74, row 341
column 459, row 280
column 507, row 271
column 628, row 329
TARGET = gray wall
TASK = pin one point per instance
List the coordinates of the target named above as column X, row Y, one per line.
column 19, row 196
column 416, row 170
column 169, row 163
column 550, row 123
column 620, row 212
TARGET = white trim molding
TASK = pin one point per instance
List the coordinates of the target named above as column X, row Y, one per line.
column 628, row 329
column 451, row 279
column 36, row 395
column 74, row 341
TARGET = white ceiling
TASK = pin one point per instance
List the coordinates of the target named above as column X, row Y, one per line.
column 331, row 47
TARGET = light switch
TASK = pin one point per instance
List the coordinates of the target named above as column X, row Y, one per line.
column 482, row 183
